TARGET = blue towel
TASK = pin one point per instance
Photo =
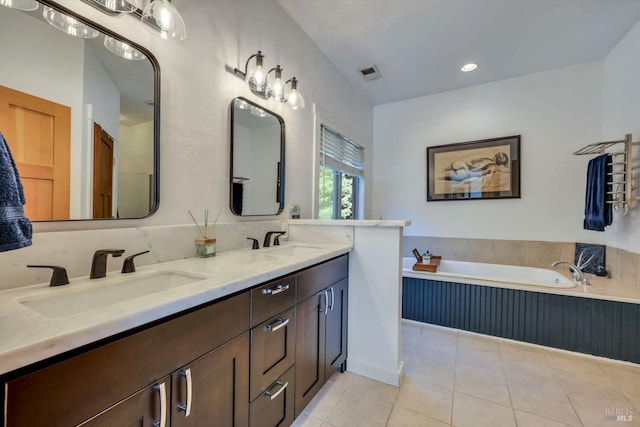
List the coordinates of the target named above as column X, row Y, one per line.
column 15, row 228
column 597, row 212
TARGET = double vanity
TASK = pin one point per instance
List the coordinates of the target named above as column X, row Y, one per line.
column 245, row 338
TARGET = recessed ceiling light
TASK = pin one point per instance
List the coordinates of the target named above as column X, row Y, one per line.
column 468, row 67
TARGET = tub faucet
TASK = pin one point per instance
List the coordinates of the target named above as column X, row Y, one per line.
column 578, row 275
column 99, row 262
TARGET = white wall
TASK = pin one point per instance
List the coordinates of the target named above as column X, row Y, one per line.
column 556, row 112
column 135, row 167
column 621, row 101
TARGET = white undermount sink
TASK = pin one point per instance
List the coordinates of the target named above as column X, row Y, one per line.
column 291, row 250
column 62, row 302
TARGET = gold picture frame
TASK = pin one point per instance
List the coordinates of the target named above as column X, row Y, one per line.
column 473, row 170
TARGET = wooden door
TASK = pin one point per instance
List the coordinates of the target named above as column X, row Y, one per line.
column 103, row 161
column 143, row 409
column 219, row 388
column 38, row 132
column 310, row 354
column 336, row 336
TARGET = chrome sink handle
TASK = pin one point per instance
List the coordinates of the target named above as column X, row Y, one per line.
column 577, row 274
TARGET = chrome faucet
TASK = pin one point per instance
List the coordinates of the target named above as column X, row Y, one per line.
column 99, row 262
column 578, row 275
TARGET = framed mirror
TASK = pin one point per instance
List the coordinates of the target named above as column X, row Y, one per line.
column 257, row 160
column 79, row 108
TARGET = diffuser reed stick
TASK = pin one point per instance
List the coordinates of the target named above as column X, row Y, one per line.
column 206, row 222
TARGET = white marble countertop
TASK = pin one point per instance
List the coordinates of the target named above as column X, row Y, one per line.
column 353, row 222
column 26, row 336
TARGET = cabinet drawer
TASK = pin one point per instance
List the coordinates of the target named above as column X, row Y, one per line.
column 317, row 278
column 103, row 376
column 274, row 407
column 272, row 298
column 272, row 350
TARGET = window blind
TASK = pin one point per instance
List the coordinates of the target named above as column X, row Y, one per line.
column 340, row 153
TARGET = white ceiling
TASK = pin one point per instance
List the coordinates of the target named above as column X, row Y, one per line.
column 420, row 45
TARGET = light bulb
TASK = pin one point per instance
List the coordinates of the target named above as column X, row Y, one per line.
column 242, row 104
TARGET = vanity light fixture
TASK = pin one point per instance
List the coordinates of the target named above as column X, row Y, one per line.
column 26, row 5
column 258, row 81
column 69, row 25
column 116, row 6
column 468, row 67
column 122, row 49
column 162, row 18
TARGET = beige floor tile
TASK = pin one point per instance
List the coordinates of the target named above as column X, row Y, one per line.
column 481, row 342
column 572, row 362
column 425, row 399
column 482, row 384
column 528, row 370
column 443, row 350
column 484, row 360
column 603, row 414
column 430, row 371
column 305, row 420
column 343, row 379
column 473, row 412
column 626, row 378
column 510, row 351
column 585, row 387
column 325, row 400
column 544, row 399
column 410, row 330
column 401, row 417
column 364, row 403
column 525, row 419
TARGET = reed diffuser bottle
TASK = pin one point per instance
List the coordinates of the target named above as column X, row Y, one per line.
column 205, row 245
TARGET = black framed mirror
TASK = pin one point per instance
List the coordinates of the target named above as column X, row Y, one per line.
column 80, row 110
column 257, row 160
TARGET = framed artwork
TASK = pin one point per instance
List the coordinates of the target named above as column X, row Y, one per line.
column 485, row 169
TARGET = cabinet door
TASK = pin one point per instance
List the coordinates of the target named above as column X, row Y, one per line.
column 336, row 332
column 214, row 389
column 148, row 407
column 310, row 345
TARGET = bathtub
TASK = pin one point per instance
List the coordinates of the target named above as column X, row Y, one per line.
column 450, row 270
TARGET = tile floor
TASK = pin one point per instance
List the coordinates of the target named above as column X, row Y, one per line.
column 456, row 378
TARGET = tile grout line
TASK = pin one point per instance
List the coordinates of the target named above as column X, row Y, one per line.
column 562, row 387
column 504, row 372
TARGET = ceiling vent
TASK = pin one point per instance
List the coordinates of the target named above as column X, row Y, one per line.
column 370, row 73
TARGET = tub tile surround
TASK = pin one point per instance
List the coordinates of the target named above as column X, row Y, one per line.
column 74, row 249
column 527, row 385
column 623, row 266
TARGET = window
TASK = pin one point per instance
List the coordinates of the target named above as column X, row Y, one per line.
column 341, row 177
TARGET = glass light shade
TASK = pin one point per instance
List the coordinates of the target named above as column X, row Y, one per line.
column 257, row 78
column 295, row 98
column 69, row 25
column 163, row 19
column 122, row 49
column 278, row 89
column 123, row 6
column 26, row 5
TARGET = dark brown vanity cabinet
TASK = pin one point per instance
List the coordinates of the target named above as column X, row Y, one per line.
column 321, row 337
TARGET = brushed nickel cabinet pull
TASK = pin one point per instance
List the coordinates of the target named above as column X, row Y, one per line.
column 274, row 395
column 162, row 391
column 275, row 291
column 187, row 408
column 280, row 323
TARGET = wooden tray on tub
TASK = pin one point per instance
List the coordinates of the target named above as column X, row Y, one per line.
column 432, row 267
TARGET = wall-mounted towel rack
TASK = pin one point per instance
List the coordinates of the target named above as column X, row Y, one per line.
column 621, row 172
column 240, row 179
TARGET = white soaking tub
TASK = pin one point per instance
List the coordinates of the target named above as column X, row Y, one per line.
column 449, row 270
